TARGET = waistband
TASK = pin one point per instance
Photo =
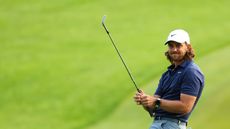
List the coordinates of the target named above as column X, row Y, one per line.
column 179, row 122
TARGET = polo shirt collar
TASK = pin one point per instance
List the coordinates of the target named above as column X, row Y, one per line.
column 183, row 65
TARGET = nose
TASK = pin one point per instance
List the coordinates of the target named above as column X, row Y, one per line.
column 174, row 48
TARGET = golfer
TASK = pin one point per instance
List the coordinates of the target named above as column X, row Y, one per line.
column 179, row 88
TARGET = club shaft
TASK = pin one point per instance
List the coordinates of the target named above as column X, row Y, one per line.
column 149, row 110
column 130, row 75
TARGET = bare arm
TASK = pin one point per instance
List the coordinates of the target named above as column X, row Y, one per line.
column 183, row 106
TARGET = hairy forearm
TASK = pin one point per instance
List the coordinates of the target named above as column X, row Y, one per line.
column 174, row 106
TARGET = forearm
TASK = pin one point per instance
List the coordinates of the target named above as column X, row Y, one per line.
column 174, row 106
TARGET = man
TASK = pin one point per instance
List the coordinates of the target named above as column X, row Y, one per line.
column 179, row 88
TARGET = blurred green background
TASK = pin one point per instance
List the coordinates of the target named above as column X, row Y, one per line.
column 59, row 69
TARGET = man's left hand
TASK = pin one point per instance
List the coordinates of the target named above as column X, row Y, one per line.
column 148, row 101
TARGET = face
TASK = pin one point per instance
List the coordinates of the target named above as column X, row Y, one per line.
column 177, row 51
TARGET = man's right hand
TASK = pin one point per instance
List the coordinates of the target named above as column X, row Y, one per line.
column 137, row 97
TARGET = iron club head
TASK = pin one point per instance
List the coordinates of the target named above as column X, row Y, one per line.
column 103, row 19
column 103, row 24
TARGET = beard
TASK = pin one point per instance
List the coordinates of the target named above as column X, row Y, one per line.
column 177, row 56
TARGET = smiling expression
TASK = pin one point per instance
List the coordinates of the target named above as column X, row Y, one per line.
column 177, row 51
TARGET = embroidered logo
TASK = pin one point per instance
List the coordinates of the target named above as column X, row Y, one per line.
column 173, row 35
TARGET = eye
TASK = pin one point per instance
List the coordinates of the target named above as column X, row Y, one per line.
column 178, row 45
column 170, row 45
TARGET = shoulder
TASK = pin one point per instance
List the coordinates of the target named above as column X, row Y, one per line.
column 193, row 70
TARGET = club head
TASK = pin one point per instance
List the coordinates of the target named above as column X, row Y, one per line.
column 103, row 24
column 103, row 19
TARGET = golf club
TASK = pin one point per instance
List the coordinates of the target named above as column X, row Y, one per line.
column 130, row 75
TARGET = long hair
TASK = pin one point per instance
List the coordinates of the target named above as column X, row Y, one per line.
column 189, row 55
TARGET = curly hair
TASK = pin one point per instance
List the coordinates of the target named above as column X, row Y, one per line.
column 189, row 55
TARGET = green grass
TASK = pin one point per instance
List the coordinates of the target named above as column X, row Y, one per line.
column 213, row 104
column 59, row 70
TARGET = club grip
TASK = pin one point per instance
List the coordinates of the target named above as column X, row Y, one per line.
column 151, row 112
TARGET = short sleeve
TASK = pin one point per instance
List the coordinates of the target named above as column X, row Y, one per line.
column 191, row 82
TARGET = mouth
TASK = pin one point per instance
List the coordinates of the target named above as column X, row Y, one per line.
column 175, row 54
